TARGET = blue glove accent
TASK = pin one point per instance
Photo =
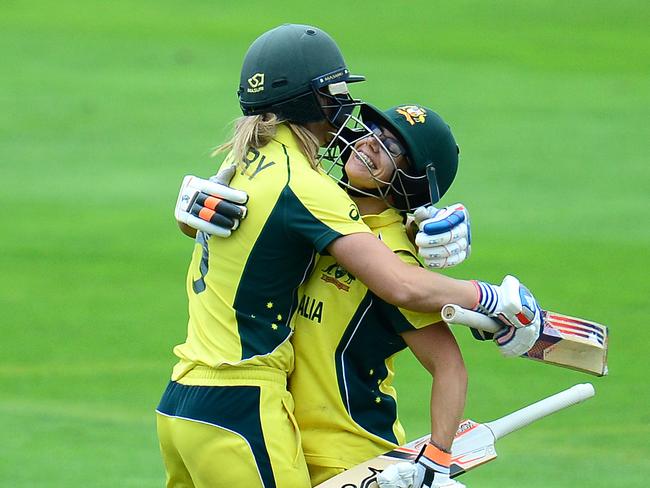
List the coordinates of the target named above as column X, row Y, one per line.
column 528, row 304
column 444, row 225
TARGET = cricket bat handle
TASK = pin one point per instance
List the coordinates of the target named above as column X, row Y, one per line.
column 531, row 413
column 453, row 314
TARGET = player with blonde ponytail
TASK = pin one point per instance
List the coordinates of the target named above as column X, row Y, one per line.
column 257, row 131
column 227, row 418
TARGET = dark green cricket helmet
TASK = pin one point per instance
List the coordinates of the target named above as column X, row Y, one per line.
column 431, row 150
column 287, row 69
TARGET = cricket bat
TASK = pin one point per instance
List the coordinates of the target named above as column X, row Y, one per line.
column 473, row 444
column 565, row 341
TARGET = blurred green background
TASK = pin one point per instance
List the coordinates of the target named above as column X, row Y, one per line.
column 104, row 106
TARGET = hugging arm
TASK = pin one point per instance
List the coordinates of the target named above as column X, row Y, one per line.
column 396, row 282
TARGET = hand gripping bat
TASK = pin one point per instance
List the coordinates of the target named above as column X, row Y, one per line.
column 473, row 444
column 565, row 341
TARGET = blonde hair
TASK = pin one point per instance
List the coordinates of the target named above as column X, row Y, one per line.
column 256, row 131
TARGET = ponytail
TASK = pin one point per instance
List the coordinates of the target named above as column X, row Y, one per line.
column 256, row 131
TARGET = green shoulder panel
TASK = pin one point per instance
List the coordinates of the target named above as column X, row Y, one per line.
column 282, row 257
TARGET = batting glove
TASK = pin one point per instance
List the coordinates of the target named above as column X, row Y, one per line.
column 432, row 469
column 510, row 302
column 412, row 475
column 444, row 239
column 211, row 205
column 400, row 475
column 513, row 341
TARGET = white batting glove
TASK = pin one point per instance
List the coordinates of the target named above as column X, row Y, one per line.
column 403, row 475
column 400, row 475
column 430, row 470
column 444, row 239
column 211, row 205
column 510, row 302
column 513, row 305
column 513, row 341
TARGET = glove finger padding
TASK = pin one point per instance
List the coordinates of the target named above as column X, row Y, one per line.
column 429, row 214
column 423, row 213
column 443, row 240
column 400, row 475
column 445, row 262
column 210, row 205
column 202, row 225
column 424, row 240
column 442, row 222
column 434, row 221
column 444, row 251
column 513, row 341
column 213, row 217
column 223, row 207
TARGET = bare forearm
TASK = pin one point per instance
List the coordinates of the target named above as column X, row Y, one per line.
column 396, row 282
column 429, row 291
column 437, row 350
column 447, row 406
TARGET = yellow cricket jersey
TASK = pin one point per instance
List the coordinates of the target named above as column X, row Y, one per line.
column 345, row 342
column 243, row 291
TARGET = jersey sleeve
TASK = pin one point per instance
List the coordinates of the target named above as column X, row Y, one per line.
column 318, row 211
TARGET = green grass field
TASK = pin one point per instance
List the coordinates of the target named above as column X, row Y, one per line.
column 105, row 105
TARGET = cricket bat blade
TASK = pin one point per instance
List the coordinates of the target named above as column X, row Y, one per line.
column 564, row 341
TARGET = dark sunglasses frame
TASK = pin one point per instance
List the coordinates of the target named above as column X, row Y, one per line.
column 393, row 146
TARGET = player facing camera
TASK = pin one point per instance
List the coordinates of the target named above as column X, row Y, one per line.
column 298, row 73
column 405, row 156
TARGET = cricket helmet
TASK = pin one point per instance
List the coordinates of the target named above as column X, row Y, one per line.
column 298, row 73
column 429, row 146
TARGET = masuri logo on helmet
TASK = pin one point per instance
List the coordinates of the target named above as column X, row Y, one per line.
column 256, row 83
